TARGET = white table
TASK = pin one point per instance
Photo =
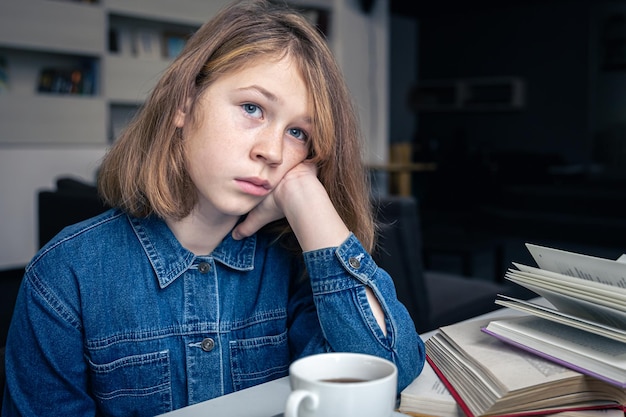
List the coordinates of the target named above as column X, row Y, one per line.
column 269, row 399
column 265, row 400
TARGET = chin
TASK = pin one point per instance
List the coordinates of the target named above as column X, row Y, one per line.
column 238, row 210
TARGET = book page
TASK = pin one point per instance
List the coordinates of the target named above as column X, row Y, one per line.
column 563, row 318
column 585, row 307
column 583, row 351
column 428, row 396
column 590, row 268
column 601, row 292
column 591, row 413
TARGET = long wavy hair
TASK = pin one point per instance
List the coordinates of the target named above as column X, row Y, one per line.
column 144, row 172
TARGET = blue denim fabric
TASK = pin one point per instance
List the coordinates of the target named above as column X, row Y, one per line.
column 115, row 317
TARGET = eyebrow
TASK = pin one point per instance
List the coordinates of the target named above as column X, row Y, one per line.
column 269, row 95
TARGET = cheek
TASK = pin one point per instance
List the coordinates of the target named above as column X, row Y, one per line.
column 199, row 156
column 295, row 153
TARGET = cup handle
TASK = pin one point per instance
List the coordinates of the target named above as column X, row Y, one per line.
column 296, row 397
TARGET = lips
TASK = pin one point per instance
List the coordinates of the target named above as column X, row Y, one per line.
column 254, row 186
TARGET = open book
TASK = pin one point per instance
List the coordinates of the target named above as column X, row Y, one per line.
column 586, row 327
column 427, row 396
column 488, row 377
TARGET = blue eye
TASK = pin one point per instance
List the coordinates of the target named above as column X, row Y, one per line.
column 252, row 109
column 298, row 133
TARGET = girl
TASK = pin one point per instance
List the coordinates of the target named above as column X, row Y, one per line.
column 239, row 240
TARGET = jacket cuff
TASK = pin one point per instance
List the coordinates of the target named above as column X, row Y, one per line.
column 329, row 268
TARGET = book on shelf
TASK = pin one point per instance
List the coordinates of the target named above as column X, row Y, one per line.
column 75, row 81
column 122, row 41
column 585, row 329
column 148, row 43
column 173, row 43
column 488, row 377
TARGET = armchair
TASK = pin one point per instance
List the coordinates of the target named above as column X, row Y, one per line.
column 434, row 299
column 71, row 202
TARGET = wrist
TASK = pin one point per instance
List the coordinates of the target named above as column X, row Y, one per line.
column 314, row 219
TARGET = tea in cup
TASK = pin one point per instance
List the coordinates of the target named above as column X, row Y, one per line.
column 342, row 384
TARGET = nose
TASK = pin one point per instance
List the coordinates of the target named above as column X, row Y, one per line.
column 269, row 146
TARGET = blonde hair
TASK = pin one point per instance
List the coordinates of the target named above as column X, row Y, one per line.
column 144, row 172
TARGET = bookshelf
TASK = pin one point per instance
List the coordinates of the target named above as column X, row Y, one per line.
column 72, row 38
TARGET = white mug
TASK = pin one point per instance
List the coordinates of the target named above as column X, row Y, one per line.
column 342, row 384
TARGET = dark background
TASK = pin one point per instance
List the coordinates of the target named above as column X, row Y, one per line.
column 551, row 171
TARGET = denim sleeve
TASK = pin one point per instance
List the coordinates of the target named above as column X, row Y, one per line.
column 45, row 373
column 339, row 277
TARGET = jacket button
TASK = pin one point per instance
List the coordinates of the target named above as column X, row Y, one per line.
column 354, row 263
column 204, row 267
column 207, row 344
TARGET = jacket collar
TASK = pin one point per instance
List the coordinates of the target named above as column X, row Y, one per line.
column 170, row 259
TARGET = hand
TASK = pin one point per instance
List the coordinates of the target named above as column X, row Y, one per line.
column 273, row 206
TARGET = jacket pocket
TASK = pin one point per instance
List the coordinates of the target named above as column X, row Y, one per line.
column 133, row 385
column 258, row 360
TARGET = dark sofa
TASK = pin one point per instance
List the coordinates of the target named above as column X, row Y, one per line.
column 433, row 298
column 72, row 201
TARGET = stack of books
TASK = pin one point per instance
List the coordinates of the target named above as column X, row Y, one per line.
column 567, row 357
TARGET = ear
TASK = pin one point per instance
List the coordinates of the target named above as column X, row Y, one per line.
column 179, row 118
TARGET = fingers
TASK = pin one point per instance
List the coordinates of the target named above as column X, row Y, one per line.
column 256, row 219
column 273, row 207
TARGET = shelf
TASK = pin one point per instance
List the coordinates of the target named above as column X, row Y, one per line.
column 471, row 94
column 53, row 119
column 128, row 80
column 24, row 69
column 192, row 12
column 53, row 26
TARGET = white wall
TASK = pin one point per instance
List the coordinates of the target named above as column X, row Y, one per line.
column 361, row 44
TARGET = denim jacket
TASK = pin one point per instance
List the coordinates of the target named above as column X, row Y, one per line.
column 115, row 317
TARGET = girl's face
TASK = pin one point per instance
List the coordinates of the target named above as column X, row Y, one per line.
column 251, row 128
